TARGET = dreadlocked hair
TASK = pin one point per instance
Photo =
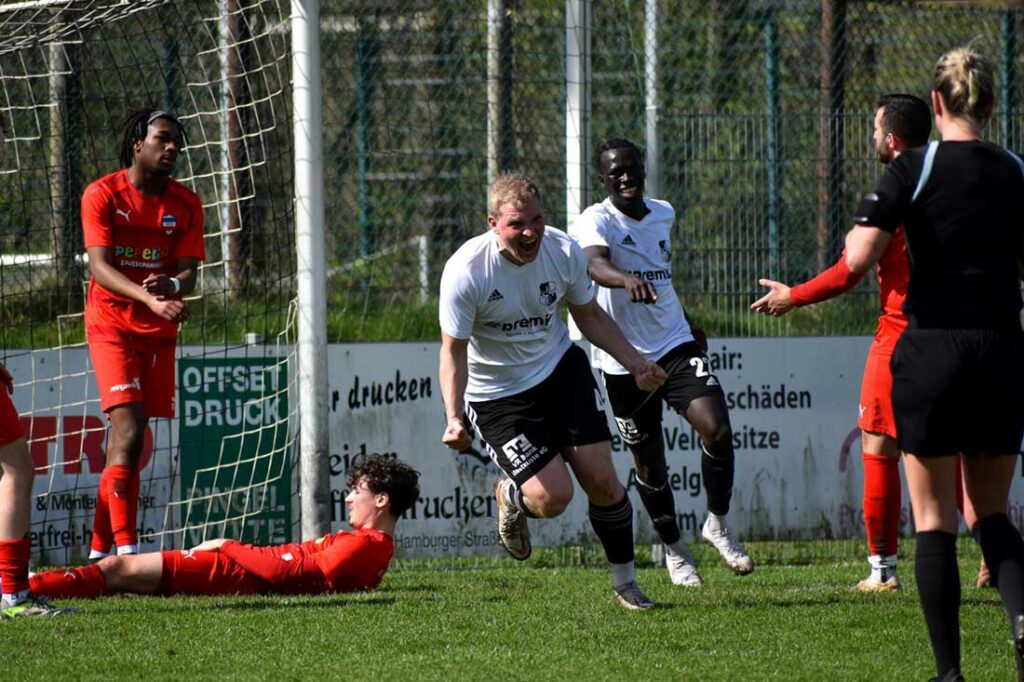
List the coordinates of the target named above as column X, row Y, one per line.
column 135, row 127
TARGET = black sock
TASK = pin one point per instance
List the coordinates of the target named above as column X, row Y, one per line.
column 614, row 527
column 661, row 506
column 515, row 496
column 1003, row 550
column 718, row 471
column 938, row 586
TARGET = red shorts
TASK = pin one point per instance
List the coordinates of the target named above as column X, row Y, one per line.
column 876, row 415
column 131, row 369
column 210, row 573
column 10, row 425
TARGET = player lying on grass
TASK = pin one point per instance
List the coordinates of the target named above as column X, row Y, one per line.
column 381, row 490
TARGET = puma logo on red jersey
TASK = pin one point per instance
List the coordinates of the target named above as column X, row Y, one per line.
column 124, row 214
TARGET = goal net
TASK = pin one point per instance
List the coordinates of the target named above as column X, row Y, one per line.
column 70, row 72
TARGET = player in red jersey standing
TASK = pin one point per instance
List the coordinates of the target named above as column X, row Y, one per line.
column 16, row 474
column 901, row 122
column 144, row 236
column 382, row 489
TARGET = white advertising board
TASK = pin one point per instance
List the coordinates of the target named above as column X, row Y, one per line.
column 793, row 406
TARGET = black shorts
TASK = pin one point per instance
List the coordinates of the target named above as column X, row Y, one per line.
column 958, row 390
column 524, row 432
column 638, row 413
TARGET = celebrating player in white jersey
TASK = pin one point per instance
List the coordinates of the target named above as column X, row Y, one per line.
column 628, row 241
column 507, row 362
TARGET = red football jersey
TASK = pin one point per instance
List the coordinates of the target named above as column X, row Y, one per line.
column 148, row 235
column 893, row 276
column 339, row 562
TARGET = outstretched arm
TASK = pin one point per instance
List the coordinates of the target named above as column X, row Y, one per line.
column 865, row 245
column 836, row 280
column 602, row 331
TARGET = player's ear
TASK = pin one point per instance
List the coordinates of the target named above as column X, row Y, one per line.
column 381, row 500
column 492, row 221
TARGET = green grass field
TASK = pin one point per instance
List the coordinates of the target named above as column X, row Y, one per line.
column 523, row 621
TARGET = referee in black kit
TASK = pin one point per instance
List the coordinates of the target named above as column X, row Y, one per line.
column 958, row 369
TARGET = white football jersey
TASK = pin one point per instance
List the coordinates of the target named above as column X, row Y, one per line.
column 510, row 313
column 644, row 249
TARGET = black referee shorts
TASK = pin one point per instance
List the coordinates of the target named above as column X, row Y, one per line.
column 959, row 391
column 525, row 431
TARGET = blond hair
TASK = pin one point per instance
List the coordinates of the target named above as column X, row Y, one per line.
column 965, row 78
column 511, row 188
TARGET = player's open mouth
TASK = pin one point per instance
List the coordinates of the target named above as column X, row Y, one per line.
column 528, row 246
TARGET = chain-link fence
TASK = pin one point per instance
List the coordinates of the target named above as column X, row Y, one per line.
column 763, row 127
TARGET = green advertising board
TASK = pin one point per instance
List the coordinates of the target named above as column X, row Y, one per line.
column 234, row 461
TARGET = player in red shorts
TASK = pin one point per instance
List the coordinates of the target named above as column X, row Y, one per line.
column 16, row 474
column 901, row 122
column 382, row 489
column 144, row 235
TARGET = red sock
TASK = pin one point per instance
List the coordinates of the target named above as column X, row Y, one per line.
column 14, row 565
column 882, row 503
column 123, row 501
column 83, row 581
column 102, row 535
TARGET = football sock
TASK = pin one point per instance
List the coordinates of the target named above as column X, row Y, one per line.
column 102, row 535
column 123, row 501
column 1003, row 549
column 13, row 599
column 614, row 527
column 718, row 470
column 14, row 565
column 881, row 502
column 623, row 574
column 82, row 581
column 661, row 507
column 938, row 586
column 514, row 494
column 882, row 567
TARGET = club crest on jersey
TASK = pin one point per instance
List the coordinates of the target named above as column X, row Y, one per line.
column 548, row 293
column 169, row 223
column 666, row 251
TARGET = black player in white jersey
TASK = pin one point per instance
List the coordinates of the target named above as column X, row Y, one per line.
column 628, row 241
column 506, row 361
column 958, row 369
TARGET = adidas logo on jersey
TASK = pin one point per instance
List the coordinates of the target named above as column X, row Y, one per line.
column 628, row 241
column 712, row 381
column 495, row 296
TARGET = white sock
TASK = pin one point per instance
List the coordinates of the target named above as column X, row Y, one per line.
column 715, row 522
column 95, row 554
column 882, row 567
column 127, row 549
column 15, row 598
column 623, row 573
